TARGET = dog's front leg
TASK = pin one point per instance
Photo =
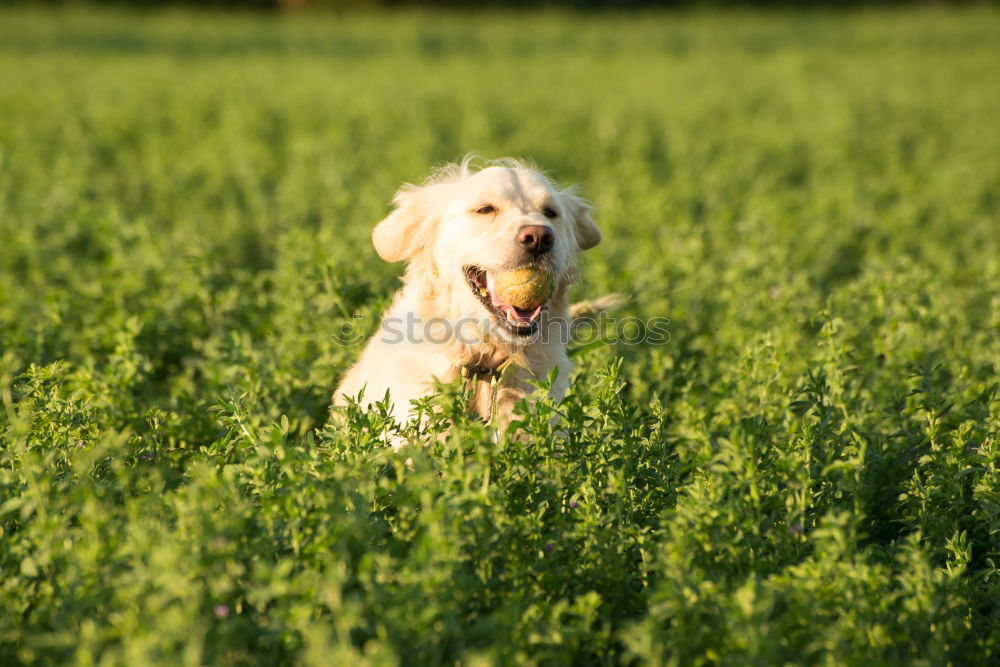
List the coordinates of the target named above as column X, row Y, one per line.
column 518, row 386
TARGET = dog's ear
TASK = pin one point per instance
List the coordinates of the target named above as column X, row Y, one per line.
column 405, row 231
column 584, row 228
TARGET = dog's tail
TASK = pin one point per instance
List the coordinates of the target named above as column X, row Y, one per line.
column 593, row 307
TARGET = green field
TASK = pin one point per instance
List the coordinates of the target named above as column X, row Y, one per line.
column 806, row 473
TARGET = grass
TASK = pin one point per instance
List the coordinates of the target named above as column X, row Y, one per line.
column 807, row 472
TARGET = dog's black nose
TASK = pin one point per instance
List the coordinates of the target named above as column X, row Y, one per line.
column 536, row 239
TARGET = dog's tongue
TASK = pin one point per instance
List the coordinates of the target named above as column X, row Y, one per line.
column 513, row 313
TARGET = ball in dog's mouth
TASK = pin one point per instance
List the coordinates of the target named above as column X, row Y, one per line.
column 515, row 298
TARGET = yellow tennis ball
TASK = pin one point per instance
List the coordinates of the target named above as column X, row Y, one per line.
column 525, row 288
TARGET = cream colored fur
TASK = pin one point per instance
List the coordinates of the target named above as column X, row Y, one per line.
column 436, row 229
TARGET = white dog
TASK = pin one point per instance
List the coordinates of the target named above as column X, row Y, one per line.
column 457, row 231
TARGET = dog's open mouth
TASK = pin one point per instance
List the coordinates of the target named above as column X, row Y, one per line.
column 519, row 321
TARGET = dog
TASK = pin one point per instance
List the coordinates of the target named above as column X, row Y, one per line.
column 458, row 231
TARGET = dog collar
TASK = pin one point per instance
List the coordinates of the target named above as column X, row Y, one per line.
column 485, row 372
column 473, row 374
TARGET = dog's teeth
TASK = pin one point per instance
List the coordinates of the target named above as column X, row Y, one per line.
column 482, row 292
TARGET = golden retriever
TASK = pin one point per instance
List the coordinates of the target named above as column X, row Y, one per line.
column 457, row 231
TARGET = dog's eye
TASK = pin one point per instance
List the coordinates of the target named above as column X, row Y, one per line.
column 549, row 212
column 488, row 209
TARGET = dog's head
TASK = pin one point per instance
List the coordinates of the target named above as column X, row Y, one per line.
column 463, row 227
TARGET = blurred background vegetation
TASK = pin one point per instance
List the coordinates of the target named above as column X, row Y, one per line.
column 296, row 5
